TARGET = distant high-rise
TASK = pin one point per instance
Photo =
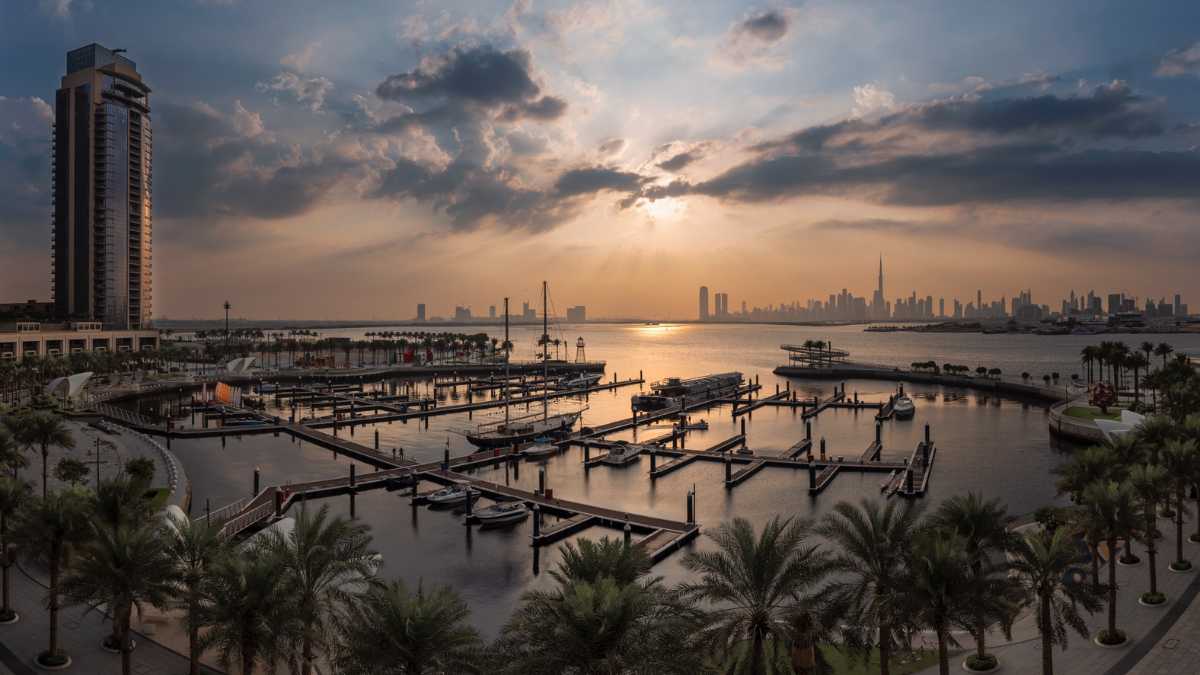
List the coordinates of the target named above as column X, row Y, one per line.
column 704, row 303
column 491, row 311
column 577, row 314
column 420, row 311
column 101, row 159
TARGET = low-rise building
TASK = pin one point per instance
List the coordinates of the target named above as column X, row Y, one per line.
column 29, row 339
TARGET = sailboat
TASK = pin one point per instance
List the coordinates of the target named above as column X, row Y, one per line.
column 511, row 431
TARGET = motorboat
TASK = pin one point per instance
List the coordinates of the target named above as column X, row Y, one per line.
column 702, row 425
column 502, row 513
column 904, row 407
column 542, row 447
column 579, row 382
column 623, row 453
column 676, row 391
column 454, row 494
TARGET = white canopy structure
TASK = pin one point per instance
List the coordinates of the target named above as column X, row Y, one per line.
column 68, row 387
column 240, row 366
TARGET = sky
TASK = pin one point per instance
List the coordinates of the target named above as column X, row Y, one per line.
column 348, row 160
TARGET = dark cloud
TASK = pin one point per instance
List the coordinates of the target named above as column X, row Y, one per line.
column 484, row 75
column 612, row 146
column 544, row 109
column 680, row 160
column 597, row 179
column 767, row 25
column 25, row 171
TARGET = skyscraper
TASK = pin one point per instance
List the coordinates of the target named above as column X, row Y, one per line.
column 878, row 303
column 420, row 311
column 704, row 303
column 101, row 158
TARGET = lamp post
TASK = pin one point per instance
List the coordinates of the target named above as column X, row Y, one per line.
column 227, row 306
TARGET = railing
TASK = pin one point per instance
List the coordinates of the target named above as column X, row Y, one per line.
column 245, row 520
column 224, row 513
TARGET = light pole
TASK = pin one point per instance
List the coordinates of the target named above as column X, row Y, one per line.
column 227, row 306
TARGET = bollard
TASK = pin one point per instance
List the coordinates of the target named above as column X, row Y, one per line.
column 352, row 506
column 653, row 457
column 446, row 459
column 856, row 397
column 640, row 375
column 208, row 510
column 743, row 426
column 587, row 453
column 352, row 469
column 822, row 448
column 926, row 434
column 278, row 503
column 376, row 439
column 537, row 522
column 878, row 432
column 691, row 507
column 470, row 508
column 728, row 468
column 908, row 479
column 808, row 430
column 541, row 480
column 812, row 475
column 776, row 388
column 256, row 481
column 628, row 533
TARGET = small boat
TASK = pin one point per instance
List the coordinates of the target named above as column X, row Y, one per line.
column 452, row 495
column 904, row 407
column 623, row 453
column 579, row 382
column 503, row 513
column 540, row 448
column 702, row 425
column 888, row 481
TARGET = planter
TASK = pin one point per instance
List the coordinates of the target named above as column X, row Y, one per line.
column 1194, row 538
column 1185, row 568
column 1116, row 645
column 108, row 646
column 61, row 662
column 1156, row 600
column 10, row 619
column 1132, row 563
column 966, row 665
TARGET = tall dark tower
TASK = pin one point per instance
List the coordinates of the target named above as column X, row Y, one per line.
column 878, row 303
column 101, row 160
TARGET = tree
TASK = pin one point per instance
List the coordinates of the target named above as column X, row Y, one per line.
column 390, row 630
column 1137, row 362
column 592, row 559
column 983, row 527
column 246, row 609
column 1149, row 482
column 123, row 568
column 1179, row 458
column 193, row 547
column 70, row 470
column 1164, row 350
column 324, row 562
column 11, row 455
column 1113, row 506
column 44, row 430
column 1102, row 395
column 1088, row 356
column 874, row 546
column 754, row 586
column 45, row 531
column 600, row 624
column 1044, row 566
column 941, row 587
column 140, row 471
column 13, row 495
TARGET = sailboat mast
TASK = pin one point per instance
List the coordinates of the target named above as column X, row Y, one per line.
column 507, row 381
column 545, row 354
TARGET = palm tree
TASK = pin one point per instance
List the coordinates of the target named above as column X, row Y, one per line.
column 1098, row 462
column 600, row 625
column 1088, row 355
column 983, row 526
column 44, row 430
column 1044, row 566
column 13, row 495
column 46, row 530
column 1149, row 482
column 246, row 609
column 755, row 585
column 592, row 559
column 1113, row 506
column 123, row 568
column 874, row 546
column 421, row 633
column 10, row 449
column 324, row 562
column 193, row 548
column 941, row 586
column 1137, row 362
column 1164, row 350
column 1179, row 458
column 1148, row 349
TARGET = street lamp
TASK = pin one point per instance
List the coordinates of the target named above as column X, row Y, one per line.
column 227, row 306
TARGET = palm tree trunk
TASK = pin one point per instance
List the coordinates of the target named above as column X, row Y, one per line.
column 309, row 657
column 123, row 634
column 1112, row 587
column 193, row 636
column 755, row 656
column 1095, row 551
column 981, row 639
column 1196, row 535
column 943, row 655
column 1151, row 547
column 885, row 650
column 52, row 605
column 45, row 460
column 1047, row 633
column 1179, row 524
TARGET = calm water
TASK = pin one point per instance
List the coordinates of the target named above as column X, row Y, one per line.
column 998, row 447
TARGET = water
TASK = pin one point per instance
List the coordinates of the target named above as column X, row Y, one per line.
column 995, row 446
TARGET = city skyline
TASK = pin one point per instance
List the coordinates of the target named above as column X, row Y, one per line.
column 350, row 164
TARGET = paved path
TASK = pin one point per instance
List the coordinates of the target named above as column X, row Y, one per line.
column 1149, row 629
column 80, row 637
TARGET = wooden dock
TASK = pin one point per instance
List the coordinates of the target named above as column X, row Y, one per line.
column 684, row 457
column 745, row 472
column 800, row 448
column 920, row 467
column 821, row 406
column 745, row 408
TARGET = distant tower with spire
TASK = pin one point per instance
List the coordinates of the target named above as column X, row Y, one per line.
column 878, row 304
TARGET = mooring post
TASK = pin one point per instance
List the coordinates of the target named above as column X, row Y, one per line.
column 537, row 522
column 908, row 480
column 812, row 474
column 256, row 481
column 822, row 448
column 541, row 481
column 446, row 459
column 776, row 388
column 376, row 439
column 628, row 533
column 855, row 397
column 587, row 452
column 691, row 507
column 878, row 432
column 728, row 468
column 470, row 507
column 208, row 510
column 640, row 375
column 278, row 503
column 808, row 429
column 352, row 505
column 652, row 462
column 352, row 469
column 926, row 434
column 743, row 428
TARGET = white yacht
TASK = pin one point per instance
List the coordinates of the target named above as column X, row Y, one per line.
column 623, row 453
column 904, row 407
column 452, row 495
column 502, row 513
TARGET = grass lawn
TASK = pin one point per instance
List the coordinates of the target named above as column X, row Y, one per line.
column 1087, row 413
column 845, row 664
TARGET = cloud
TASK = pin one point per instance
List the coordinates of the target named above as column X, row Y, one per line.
column 870, row 99
column 590, row 180
column 677, row 155
column 754, row 40
column 60, row 8
column 24, row 169
column 612, row 147
column 481, row 75
column 966, row 151
column 299, row 61
column 309, row 91
column 1178, row 62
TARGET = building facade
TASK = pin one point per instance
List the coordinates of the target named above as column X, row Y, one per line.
column 102, row 166
column 28, row 339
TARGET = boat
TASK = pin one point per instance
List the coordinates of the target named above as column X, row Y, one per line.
column 622, row 453
column 904, row 407
column 679, row 391
column 454, row 494
column 542, row 447
column 579, row 382
column 502, row 513
column 702, row 425
column 888, row 481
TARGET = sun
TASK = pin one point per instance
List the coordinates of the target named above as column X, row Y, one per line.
column 666, row 209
